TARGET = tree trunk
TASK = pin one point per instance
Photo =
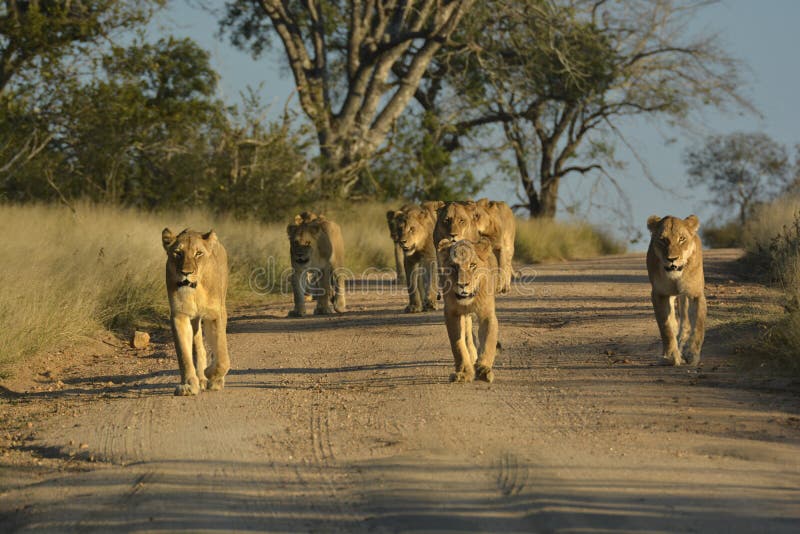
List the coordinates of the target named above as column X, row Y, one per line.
column 548, row 197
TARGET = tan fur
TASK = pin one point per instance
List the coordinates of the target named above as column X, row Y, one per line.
column 469, row 273
column 675, row 269
column 392, row 219
column 495, row 221
column 199, row 260
column 456, row 220
column 317, row 254
column 415, row 237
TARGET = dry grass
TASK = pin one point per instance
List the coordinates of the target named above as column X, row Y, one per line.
column 541, row 240
column 772, row 240
column 69, row 276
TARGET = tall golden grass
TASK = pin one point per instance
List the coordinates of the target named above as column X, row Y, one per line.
column 540, row 240
column 772, row 240
column 67, row 276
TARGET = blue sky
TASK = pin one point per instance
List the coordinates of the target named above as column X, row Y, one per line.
column 762, row 33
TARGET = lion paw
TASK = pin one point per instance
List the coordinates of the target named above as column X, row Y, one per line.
column 693, row 359
column 203, row 382
column 323, row 311
column 484, row 373
column 430, row 306
column 461, row 377
column 295, row 313
column 412, row 309
column 672, row 358
column 187, row 390
column 216, row 384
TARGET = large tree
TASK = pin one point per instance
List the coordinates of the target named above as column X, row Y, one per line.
column 342, row 55
column 40, row 41
column 561, row 76
column 740, row 170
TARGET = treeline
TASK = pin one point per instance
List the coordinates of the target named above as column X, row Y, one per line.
column 397, row 100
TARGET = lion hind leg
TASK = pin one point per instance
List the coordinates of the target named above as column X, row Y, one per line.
column 697, row 319
column 215, row 329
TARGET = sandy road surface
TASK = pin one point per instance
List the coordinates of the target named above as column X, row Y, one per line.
column 349, row 423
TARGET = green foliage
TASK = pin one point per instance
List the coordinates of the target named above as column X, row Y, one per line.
column 740, row 170
column 419, row 168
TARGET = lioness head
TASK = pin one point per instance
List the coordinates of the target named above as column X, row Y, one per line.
column 303, row 236
column 673, row 241
column 413, row 229
column 457, row 219
column 467, row 267
column 187, row 255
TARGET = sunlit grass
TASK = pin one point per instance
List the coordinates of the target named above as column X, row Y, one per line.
column 68, row 276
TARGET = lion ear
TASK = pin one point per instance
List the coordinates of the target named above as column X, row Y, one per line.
column 693, row 223
column 167, row 238
column 211, row 238
column 298, row 218
column 652, row 222
column 390, row 215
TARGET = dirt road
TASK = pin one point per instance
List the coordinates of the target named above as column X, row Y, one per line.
column 349, row 423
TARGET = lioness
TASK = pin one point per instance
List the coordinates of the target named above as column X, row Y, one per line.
column 197, row 282
column 317, row 253
column 415, row 236
column 456, row 220
column 675, row 269
column 394, row 232
column 495, row 220
column 469, row 288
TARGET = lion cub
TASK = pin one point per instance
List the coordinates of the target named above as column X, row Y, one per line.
column 317, row 252
column 197, row 283
column 675, row 269
column 468, row 270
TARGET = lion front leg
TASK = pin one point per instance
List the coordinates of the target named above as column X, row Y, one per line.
column 697, row 319
column 183, row 334
column 399, row 263
column 299, row 283
column 218, row 339
column 200, row 357
column 487, row 333
column 339, row 301
column 664, row 307
column 429, row 281
column 413, row 280
column 325, row 293
column 456, row 329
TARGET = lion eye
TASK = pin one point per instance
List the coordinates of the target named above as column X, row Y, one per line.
column 473, row 265
column 198, row 253
column 411, row 230
column 682, row 239
column 462, row 221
